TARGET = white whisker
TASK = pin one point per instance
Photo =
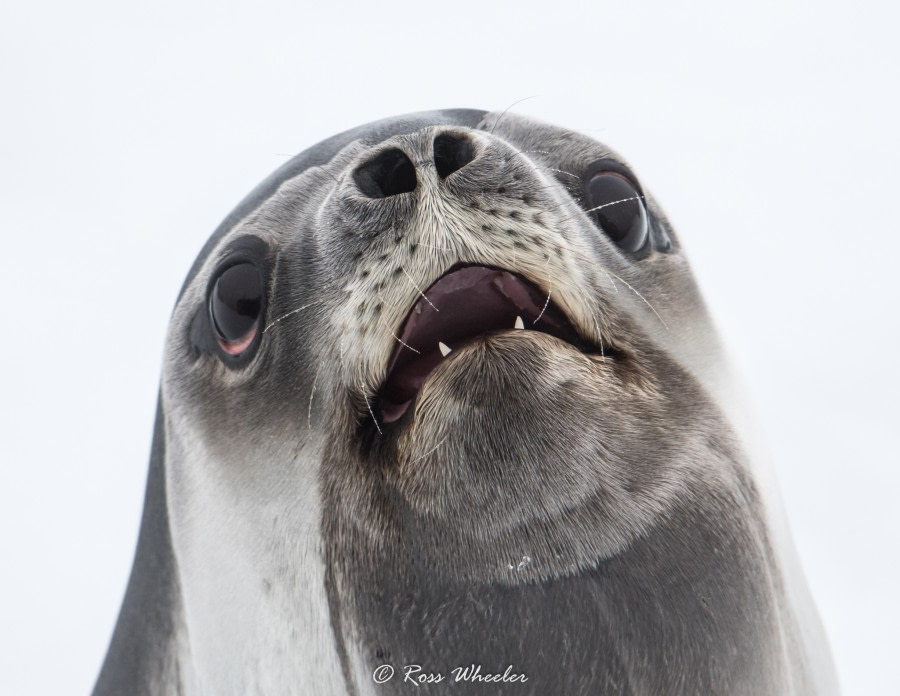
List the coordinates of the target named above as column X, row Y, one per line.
column 605, row 205
column 532, row 152
column 565, row 203
column 371, row 412
column 311, row 394
column 413, row 461
column 384, row 301
column 612, row 282
column 291, row 313
column 562, row 171
column 549, row 289
column 399, row 339
column 419, row 291
column 645, row 302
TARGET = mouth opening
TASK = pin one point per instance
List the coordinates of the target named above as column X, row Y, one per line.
column 464, row 304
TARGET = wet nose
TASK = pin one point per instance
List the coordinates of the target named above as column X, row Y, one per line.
column 391, row 171
column 387, row 174
column 452, row 152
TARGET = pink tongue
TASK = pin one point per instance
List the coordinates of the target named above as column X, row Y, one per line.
column 459, row 307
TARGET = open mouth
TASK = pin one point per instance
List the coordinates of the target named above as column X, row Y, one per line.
column 461, row 306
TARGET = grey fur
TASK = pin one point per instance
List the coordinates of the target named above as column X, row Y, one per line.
column 303, row 546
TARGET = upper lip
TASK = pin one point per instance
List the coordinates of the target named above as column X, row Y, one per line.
column 463, row 304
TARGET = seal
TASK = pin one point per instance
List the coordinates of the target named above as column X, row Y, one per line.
column 441, row 403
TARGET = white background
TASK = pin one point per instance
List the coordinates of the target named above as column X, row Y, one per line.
column 768, row 130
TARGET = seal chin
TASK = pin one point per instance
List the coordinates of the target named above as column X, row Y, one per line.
column 462, row 308
column 501, row 367
column 500, row 417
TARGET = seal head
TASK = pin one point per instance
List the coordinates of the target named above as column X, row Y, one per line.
column 442, row 392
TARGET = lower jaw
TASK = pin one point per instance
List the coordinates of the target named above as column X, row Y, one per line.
column 389, row 413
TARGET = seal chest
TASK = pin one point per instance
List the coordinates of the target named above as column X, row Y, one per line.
column 431, row 412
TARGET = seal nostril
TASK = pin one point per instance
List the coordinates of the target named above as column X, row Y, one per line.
column 387, row 174
column 452, row 153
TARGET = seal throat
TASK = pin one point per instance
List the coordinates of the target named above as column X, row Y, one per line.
column 463, row 305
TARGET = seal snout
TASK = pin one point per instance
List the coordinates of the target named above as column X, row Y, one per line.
column 463, row 305
column 392, row 172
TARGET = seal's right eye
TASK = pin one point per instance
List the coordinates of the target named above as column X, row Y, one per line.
column 235, row 306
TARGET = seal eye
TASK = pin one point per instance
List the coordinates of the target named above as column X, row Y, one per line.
column 617, row 208
column 235, row 306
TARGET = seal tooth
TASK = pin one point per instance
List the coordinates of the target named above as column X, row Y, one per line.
column 445, row 350
column 519, row 323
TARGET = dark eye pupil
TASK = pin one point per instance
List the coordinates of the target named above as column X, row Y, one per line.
column 236, row 301
column 622, row 217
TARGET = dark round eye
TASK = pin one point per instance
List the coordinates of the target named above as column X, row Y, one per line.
column 618, row 209
column 235, row 306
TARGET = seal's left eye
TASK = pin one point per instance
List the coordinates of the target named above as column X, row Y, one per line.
column 235, row 306
column 617, row 208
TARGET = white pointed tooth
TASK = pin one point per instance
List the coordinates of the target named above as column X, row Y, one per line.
column 519, row 323
column 444, row 348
